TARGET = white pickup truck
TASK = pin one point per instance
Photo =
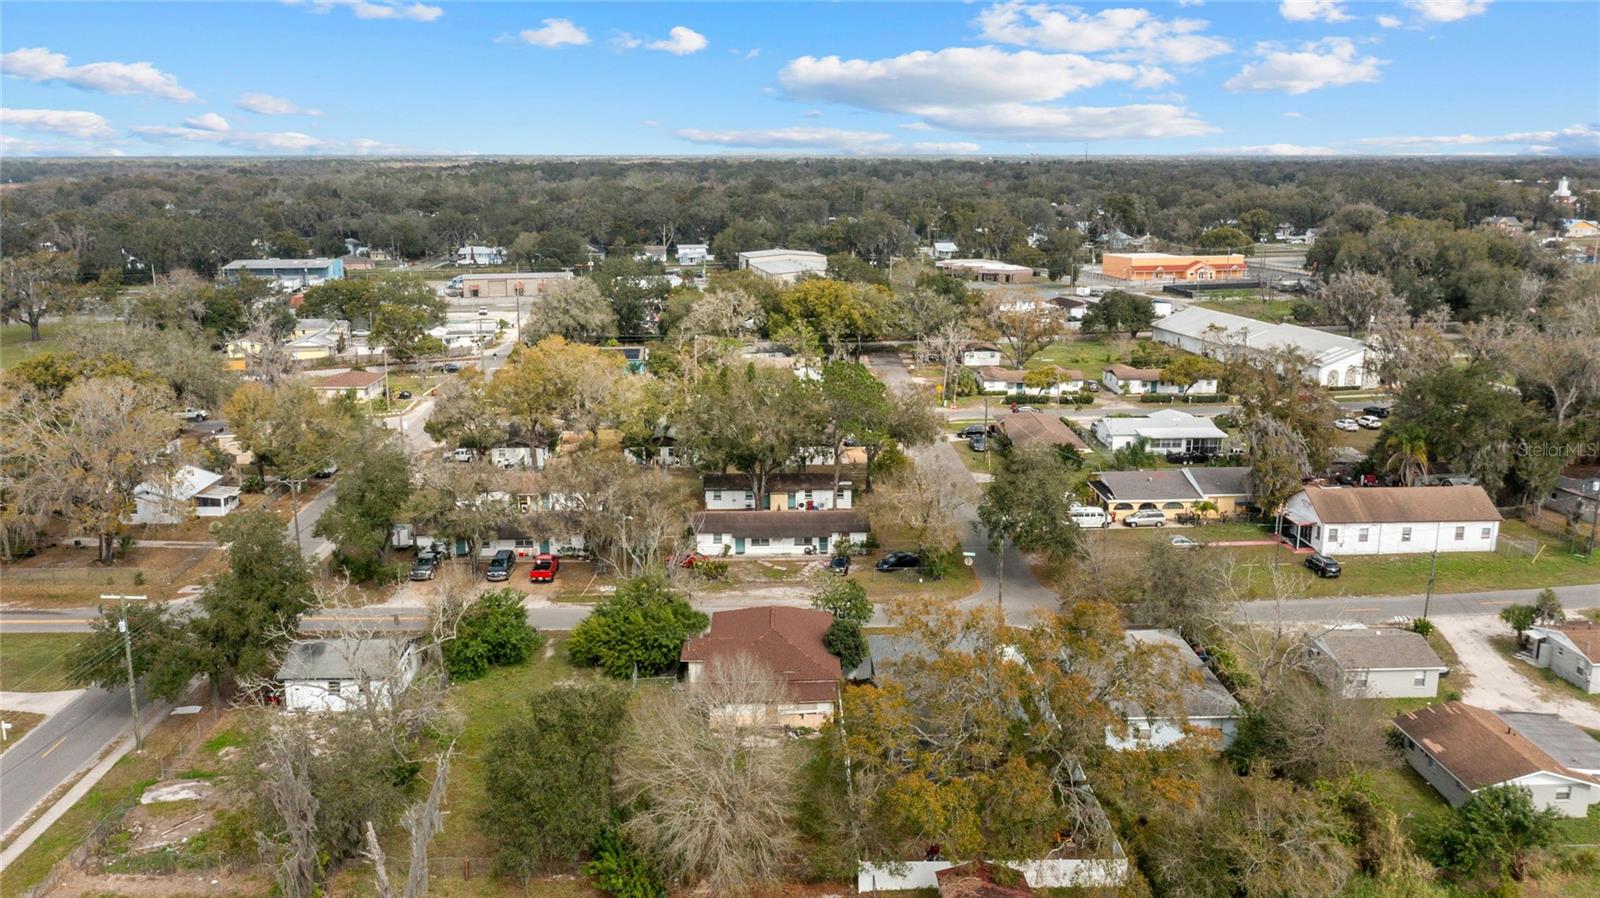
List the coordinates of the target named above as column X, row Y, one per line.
column 194, row 414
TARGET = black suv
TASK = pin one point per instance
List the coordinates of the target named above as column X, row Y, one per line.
column 1322, row 565
column 839, row 564
column 973, row 430
column 1377, row 411
column 899, row 561
column 500, row 566
column 1192, row 457
column 978, row 443
column 426, row 565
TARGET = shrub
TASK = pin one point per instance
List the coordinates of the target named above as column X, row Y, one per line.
column 845, row 599
column 493, row 632
column 712, row 569
column 1157, row 398
column 845, row 641
column 941, row 563
column 621, row 870
column 1422, row 626
column 641, row 627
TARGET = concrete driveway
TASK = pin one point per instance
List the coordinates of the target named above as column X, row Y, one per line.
column 1496, row 685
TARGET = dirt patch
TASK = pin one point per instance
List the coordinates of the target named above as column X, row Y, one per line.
column 1497, row 683
column 65, row 576
column 82, row 884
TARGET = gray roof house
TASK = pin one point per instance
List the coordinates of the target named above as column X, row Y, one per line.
column 1561, row 739
column 1207, row 703
column 1172, row 490
column 1460, row 749
column 338, row 674
column 1381, row 662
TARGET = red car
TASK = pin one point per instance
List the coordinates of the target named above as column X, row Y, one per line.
column 689, row 560
column 544, row 568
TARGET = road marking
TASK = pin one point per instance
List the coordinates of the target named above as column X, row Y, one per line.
column 1498, row 602
column 46, row 620
column 52, row 748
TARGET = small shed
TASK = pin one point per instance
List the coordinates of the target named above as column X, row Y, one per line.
column 339, row 674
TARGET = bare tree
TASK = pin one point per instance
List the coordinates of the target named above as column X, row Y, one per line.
column 1403, row 348
column 627, row 514
column 713, row 781
column 945, row 347
column 1025, row 323
column 269, row 357
column 1355, row 298
column 287, row 774
column 1560, row 355
column 924, row 504
column 723, row 312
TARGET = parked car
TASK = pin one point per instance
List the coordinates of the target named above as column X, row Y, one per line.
column 500, row 566
column 194, row 414
column 973, row 430
column 1191, row 457
column 1148, row 517
column 1094, row 386
column 464, row 454
column 978, row 442
column 898, row 561
column 690, row 559
column 1376, row 411
column 1089, row 516
column 426, row 565
column 544, row 568
column 451, row 367
column 403, row 394
column 839, row 564
column 327, row 472
column 1184, row 542
column 361, row 334
column 1370, row 422
column 1023, row 409
column 1322, row 565
column 1346, row 424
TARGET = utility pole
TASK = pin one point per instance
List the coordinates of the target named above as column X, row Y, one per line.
column 127, row 654
column 1433, row 570
column 1594, row 522
column 294, row 507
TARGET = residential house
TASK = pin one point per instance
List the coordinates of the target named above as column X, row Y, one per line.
column 785, row 640
column 1029, row 429
column 1575, row 228
column 1561, row 739
column 652, row 252
column 634, row 357
column 288, row 274
column 189, row 492
column 518, row 454
column 693, row 254
column 1330, row 359
column 945, row 249
column 1127, row 380
column 1570, row 650
column 343, row 673
column 1173, row 491
column 1391, row 520
column 1073, row 307
column 1460, row 749
column 1207, row 704
column 481, row 255
column 776, row 532
column 785, row 492
column 1012, row 382
column 785, row 266
column 1575, row 498
column 986, row 271
column 1165, row 268
column 980, row 355
column 1382, row 662
column 511, row 283
column 1505, row 224
column 1167, row 431
column 363, row 385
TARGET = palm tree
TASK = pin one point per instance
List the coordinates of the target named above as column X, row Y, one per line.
column 1408, row 453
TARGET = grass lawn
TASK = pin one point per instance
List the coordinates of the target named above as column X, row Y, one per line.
column 20, row 723
column 65, row 577
column 887, row 586
column 1416, row 803
column 35, row 662
column 1090, row 355
column 15, row 346
column 1276, row 311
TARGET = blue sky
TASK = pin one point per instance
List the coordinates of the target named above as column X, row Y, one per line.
column 420, row 76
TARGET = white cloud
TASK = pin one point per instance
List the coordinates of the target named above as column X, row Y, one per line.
column 1584, row 139
column 208, row 122
column 916, row 126
column 811, row 113
column 11, row 145
column 1330, row 62
column 39, row 65
column 1389, row 22
column 681, row 41
column 623, row 40
column 381, row 9
column 1122, row 33
column 67, row 122
column 1313, row 11
column 990, row 91
column 267, row 104
column 1294, row 115
column 1272, row 149
column 1447, row 10
column 830, row 139
column 555, row 33
column 1151, row 77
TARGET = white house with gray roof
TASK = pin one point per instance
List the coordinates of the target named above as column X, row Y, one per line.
column 1167, row 431
column 1208, row 706
column 1381, row 662
column 346, row 672
column 1330, row 359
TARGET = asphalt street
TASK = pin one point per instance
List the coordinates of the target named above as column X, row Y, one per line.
column 55, row 750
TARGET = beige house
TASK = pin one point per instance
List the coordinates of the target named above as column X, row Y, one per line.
column 1172, row 492
column 363, row 385
column 986, row 271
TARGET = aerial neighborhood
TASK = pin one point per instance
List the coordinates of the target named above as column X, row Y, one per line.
column 804, row 509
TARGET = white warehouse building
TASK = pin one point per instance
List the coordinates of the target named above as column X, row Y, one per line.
column 1330, row 359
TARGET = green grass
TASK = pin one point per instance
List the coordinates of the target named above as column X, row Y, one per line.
column 15, row 346
column 222, row 740
column 1090, row 355
column 35, row 662
column 1276, row 311
column 1416, row 803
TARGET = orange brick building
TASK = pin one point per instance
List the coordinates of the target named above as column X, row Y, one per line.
column 1164, row 268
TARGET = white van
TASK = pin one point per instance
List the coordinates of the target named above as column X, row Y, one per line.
column 1089, row 516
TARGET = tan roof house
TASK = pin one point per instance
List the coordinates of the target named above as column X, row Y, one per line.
column 1392, row 520
column 364, row 385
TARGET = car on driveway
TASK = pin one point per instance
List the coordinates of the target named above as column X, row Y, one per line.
column 978, row 443
column 689, row 559
column 403, row 394
column 544, row 568
column 500, row 566
column 1023, row 409
column 451, row 368
column 1369, row 422
column 194, row 415
column 427, row 564
column 1191, row 457
column 1376, row 411
column 1322, row 565
column 1148, row 517
column 973, row 430
column 898, row 561
column 1346, row 424
column 1184, row 542
column 839, row 564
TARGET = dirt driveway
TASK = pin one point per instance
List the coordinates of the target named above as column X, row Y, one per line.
column 1496, row 684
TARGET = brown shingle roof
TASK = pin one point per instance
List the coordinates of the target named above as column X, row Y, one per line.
column 1401, row 504
column 776, row 483
column 787, row 640
column 1128, row 372
column 780, row 524
column 349, row 380
column 1038, row 429
column 1585, row 635
column 1009, row 375
column 1476, row 746
column 976, row 879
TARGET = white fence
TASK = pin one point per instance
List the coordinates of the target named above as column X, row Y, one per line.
column 1043, row 874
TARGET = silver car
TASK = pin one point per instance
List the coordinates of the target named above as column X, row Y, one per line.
column 1148, row 517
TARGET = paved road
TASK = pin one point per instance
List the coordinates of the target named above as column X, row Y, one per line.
column 1377, row 609
column 54, row 751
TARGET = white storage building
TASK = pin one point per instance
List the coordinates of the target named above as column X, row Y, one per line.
column 1330, row 359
